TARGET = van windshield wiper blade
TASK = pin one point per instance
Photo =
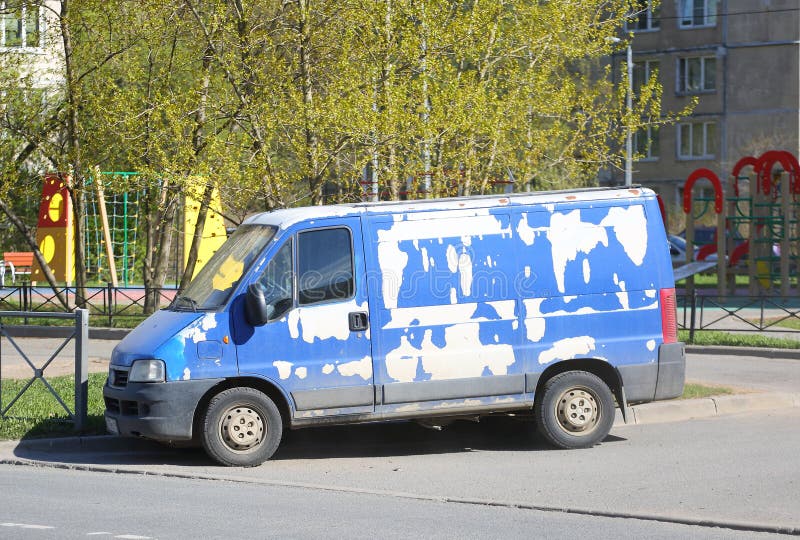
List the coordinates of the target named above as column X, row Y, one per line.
column 191, row 301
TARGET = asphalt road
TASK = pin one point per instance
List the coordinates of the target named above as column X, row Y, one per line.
column 42, row 504
column 737, row 471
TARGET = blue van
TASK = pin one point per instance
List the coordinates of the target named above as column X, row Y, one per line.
column 557, row 303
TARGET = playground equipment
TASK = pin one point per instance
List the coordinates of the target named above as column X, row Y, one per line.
column 766, row 218
column 112, row 228
column 54, row 231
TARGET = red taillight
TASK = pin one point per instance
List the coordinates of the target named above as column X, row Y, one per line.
column 669, row 316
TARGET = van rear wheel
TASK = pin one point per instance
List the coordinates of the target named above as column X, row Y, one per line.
column 576, row 410
column 242, row 428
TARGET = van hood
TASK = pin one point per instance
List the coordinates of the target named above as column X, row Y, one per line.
column 151, row 334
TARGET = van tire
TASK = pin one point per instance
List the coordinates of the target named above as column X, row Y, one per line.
column 242, row 427
column 576, row 410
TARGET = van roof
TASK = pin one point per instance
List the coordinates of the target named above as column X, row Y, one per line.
column 289, row 216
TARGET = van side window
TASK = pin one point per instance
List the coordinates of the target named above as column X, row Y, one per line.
column 277, row 281
column 325, row 265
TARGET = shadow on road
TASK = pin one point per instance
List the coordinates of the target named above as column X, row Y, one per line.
column 496, row 434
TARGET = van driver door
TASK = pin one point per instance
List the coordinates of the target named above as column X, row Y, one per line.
column 317, row 342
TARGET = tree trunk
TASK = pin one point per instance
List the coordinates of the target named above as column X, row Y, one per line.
column 75, row 182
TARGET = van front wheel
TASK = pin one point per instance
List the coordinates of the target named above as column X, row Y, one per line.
column 575, row 410
column 242, row 428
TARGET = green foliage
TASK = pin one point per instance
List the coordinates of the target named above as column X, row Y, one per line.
column 38, row 414
column 739, row 339
column 287, row 103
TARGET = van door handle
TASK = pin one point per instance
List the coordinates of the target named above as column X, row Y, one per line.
column 358, row 321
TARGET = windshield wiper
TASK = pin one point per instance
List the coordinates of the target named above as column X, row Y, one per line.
column 191, row 301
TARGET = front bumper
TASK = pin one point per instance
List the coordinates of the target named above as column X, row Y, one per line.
column 158, row 411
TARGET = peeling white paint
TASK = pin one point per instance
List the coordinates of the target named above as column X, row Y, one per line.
column 362, row 368
column 327, row 369
column 651, row 345
column 301, row 372
column 527, row 272
column 464, row 355
column 452, row 259
column 623, row 296
column 392, row 261
column 586, row 271
column 284, row 368
column 447, row 314
column 187, row 374
column 425, row 259
column 650, row 293
column 525, row 232
column 327, row 321
column 535, row 328
column 197, row 330
column 401, row 363
column 630, row 227
column 569, row 236
column 567, row 349
column 504, row 308
column 453, row 296
column 465, row 273
column 294, row 322
column 429, row 225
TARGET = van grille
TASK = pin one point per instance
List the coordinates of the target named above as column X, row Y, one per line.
column 117, row 377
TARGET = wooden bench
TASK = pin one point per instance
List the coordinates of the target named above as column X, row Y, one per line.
column 19, row 262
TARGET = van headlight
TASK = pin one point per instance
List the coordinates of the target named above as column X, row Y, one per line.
column 149, row 370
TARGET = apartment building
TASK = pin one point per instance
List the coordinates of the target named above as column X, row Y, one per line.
column 30, row 43
column 740, row 59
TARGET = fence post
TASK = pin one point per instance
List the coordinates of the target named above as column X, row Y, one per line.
column 81, row 368
column 692, row 316
column 110, row 295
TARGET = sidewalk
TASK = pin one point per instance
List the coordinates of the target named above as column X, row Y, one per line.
column 761, row 383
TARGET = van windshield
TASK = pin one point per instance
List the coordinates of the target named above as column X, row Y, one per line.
column 214, row 283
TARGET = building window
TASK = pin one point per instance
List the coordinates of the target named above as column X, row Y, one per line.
column 696, row 75
column 646, row 143
column 697, row 140
column 694, row 13
column 642, row 72
column 20, row 25
column 643, row 16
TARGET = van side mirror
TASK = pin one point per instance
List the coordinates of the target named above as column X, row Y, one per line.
column 256, row 310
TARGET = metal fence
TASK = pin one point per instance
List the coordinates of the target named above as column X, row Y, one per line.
column 80, row 335
column 106, row 303
column 772, row 316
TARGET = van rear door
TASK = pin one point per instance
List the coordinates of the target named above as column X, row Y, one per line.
column 318, row 347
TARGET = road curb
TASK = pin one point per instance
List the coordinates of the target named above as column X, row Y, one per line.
column 760, row 352
column 688, row 409
column 89, row 443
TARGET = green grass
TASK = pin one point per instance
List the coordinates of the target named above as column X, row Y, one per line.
column 693, row 391
column 792, row 323
column 714, row 337
column 38, row 414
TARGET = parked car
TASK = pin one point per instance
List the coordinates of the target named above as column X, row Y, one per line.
column 677, row 250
